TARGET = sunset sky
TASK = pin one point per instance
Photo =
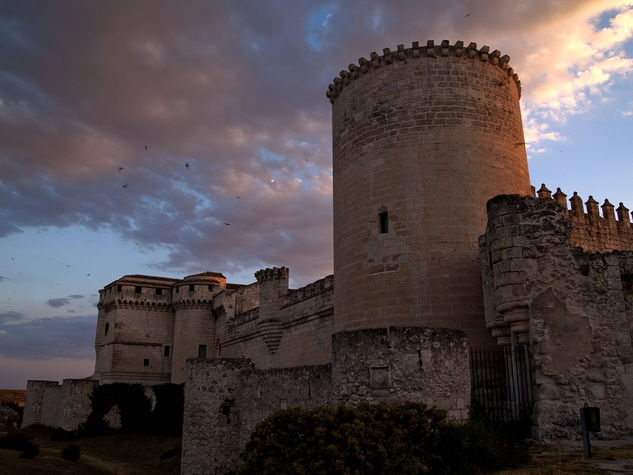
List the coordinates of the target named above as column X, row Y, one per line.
column 171, row 138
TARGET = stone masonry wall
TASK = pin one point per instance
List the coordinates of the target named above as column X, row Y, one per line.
column 51, row 404
column 429, row 365
column 573, row 309
column 423, row 136
column 591, row 230
column 293, row 328
column 226, row 398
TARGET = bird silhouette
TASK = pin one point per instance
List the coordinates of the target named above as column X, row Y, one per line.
column 187, row 165
column 124, row 186
column 121, row 168
column 145, row 147
column 227, row 224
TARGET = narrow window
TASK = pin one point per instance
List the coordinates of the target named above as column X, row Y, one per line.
column 137, row 289
column 159, row 291
column 191, row 287
column 119, row 287
column 177, row 288
column 166, row 350
column 146, row 362
column 107, row 328
column 202, row 351
column 383, row 218
column 210, row 287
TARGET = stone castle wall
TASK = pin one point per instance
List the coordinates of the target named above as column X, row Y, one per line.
column 422, row 138
column 573, row 308
column 52, row 404
column 292, row 328
column 225, row 398
column 594, row 228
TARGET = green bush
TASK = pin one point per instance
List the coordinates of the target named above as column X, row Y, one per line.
column 168, row 414
column 135, row 408
column 133, row 405
column 60, row 434
column 406, row 438
column 72, row 453
column 20, row 442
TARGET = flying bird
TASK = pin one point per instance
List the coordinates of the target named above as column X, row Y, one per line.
column 467, row 15
column 187, row 165
column 124, row 186
column 121, row 168
column 145, row 147
column 227, row 224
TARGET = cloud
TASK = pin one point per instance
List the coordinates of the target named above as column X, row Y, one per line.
column 10, row 317
column 59, row 302
column 52, row 337
column 163, row 124
column 75, row 296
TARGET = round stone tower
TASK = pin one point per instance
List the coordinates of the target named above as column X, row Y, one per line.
column 194, row 323
column 422, row 138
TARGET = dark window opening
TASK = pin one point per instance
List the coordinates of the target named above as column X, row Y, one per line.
column 191, row 287
column 383, row 218
column 137, row 289
column 146, row 362
column 166, row 350
column 159, row 291
column 202, row 351
column 177, row 288
column 119, row 288
column 107, row 328
column 210, row 287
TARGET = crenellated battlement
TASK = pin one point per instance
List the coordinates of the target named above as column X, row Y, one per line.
column 431, row 50
column 592, row 230
column 268, row 274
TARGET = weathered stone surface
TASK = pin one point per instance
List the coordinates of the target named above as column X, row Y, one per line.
column 577, row 307
column 226, row 398
column 52, row 404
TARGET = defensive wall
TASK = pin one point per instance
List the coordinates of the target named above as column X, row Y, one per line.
column 52, row 404
column 571, row 305
column 289, row 328
column 226, row 397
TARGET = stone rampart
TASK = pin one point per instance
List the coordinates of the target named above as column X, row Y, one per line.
column 429, row 365
column 293, row 328
column 226, row 398
column 573, row 308
column 593, row 230
column 52, row 404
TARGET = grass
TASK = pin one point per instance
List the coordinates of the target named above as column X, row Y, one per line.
column 133, row 454
column 566, row 459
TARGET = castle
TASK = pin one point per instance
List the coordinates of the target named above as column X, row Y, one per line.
column 443, row 253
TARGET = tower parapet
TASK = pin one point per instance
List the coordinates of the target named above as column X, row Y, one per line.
column 431, row 50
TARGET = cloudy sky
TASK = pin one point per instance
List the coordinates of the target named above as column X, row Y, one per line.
column 170, row 138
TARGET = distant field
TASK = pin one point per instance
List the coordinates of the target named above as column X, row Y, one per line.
column 13, row 395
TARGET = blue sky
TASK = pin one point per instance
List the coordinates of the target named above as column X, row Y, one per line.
column 131, row 132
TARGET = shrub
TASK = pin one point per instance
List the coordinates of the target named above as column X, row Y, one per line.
column 29, row 451
column 72, row 453
column 20, row 442
column 60, row 434
column 168, row 414
column 406, row 438
column 133, row 405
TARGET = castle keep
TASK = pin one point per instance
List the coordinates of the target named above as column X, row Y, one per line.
column 441, row 248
